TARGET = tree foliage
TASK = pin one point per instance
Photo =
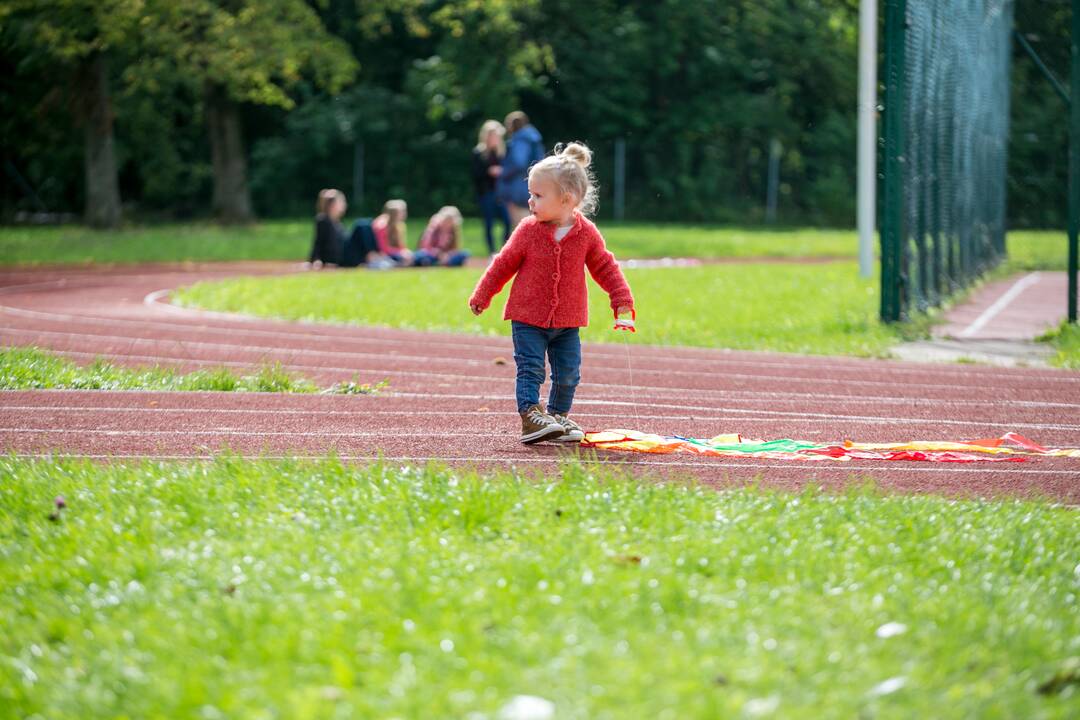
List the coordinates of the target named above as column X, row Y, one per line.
column 698, row 89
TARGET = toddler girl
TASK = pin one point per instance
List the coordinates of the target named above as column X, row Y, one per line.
column 549, row 252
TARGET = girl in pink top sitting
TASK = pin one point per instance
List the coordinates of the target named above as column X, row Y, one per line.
column 389, row 229
column 441, row 242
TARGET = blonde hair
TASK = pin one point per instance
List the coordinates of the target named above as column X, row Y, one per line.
column 327, row 196
column 515, row 121
column 449, row 212
column 568, row 168
column 491, row 126
column 395, row 210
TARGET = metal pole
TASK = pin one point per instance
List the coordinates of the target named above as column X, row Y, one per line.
column 867, row 141
column 892, row 217
column 773, row 187
column 1074, row 158
column 619, row 205
column 1047, row 73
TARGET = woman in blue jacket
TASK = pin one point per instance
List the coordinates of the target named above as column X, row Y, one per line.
column 524, row 148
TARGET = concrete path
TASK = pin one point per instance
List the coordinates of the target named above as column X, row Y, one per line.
column 999, row 323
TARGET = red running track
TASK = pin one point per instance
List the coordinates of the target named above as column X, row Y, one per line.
column 450, row 400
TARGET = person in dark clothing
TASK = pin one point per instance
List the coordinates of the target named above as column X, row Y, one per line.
column 329, row 241
column 332, row 246
column 487, row 159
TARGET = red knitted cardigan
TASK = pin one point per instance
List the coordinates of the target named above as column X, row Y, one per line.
column 549, row 290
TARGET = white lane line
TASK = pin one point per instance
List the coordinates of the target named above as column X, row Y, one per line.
column 298, row 329
column 238, row 432
column 708, row 356
column 738, row 414
column 618, row 390
column 1000, row 304
column 265, row 352
column 808, row 465
column 152, row 298
column 721, row 396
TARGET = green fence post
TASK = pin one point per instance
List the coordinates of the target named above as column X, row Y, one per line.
column 892, row 211
column 1074, row 158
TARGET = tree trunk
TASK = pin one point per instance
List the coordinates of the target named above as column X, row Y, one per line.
column 102, row 187
column 232, row 200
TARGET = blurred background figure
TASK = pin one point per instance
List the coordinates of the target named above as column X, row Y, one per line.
column 329, row 240
column 487, row 159
column 441, row 242
column 524, row 147
column 389, row 228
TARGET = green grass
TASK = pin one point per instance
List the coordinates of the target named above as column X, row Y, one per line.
column 1065, row 340
column 818, row 308
column 29, row 368
column 314, row 590
column 1037, row 250
column 154, row 243
column 291, row 240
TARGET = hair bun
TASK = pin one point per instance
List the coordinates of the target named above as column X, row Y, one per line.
column 579, row 153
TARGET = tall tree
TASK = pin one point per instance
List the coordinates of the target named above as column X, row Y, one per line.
column 73, row 41
column 242, row 51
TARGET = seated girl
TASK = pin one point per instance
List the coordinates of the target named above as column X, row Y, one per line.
column 327, row 246
column 332, row 246
column 389, row 229
column 441, row 242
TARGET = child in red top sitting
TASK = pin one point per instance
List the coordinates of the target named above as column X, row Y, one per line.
column 389, row 229
column 548, row 304
column 441, row 242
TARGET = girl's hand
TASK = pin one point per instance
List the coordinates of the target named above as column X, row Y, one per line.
column 475, row 309
column 495, row 171
column 624, row 319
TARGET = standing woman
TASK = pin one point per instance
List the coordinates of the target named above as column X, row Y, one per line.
column 524, row 148
column 487, row 159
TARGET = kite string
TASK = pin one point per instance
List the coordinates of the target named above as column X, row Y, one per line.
column 630, row 377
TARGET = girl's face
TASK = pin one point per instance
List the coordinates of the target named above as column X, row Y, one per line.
column 337, row 208
column 492, row 139
column 547, row 201
column 447, row 223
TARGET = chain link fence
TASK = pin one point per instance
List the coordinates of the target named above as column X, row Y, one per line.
column 945, row 142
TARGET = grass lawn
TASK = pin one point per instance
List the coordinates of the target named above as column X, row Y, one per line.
column 265, row 589
column 811, row 308
column 29, row 368
column 291, row 240
column 1066, row 341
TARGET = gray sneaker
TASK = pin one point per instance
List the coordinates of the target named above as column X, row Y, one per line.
column 537, row 426
column 572, row 432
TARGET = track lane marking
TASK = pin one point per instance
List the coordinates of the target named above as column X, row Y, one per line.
column 738, row 414
column 1000, row 304
column 597, row 349
column 269, row 352
column 798, row 465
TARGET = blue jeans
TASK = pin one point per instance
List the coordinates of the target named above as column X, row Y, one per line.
column 493, row 210
column 426, row 259
column 563, row 349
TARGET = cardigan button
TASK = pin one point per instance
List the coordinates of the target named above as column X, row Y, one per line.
column 554, row 302
column 554, row 276
column 557, row 249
